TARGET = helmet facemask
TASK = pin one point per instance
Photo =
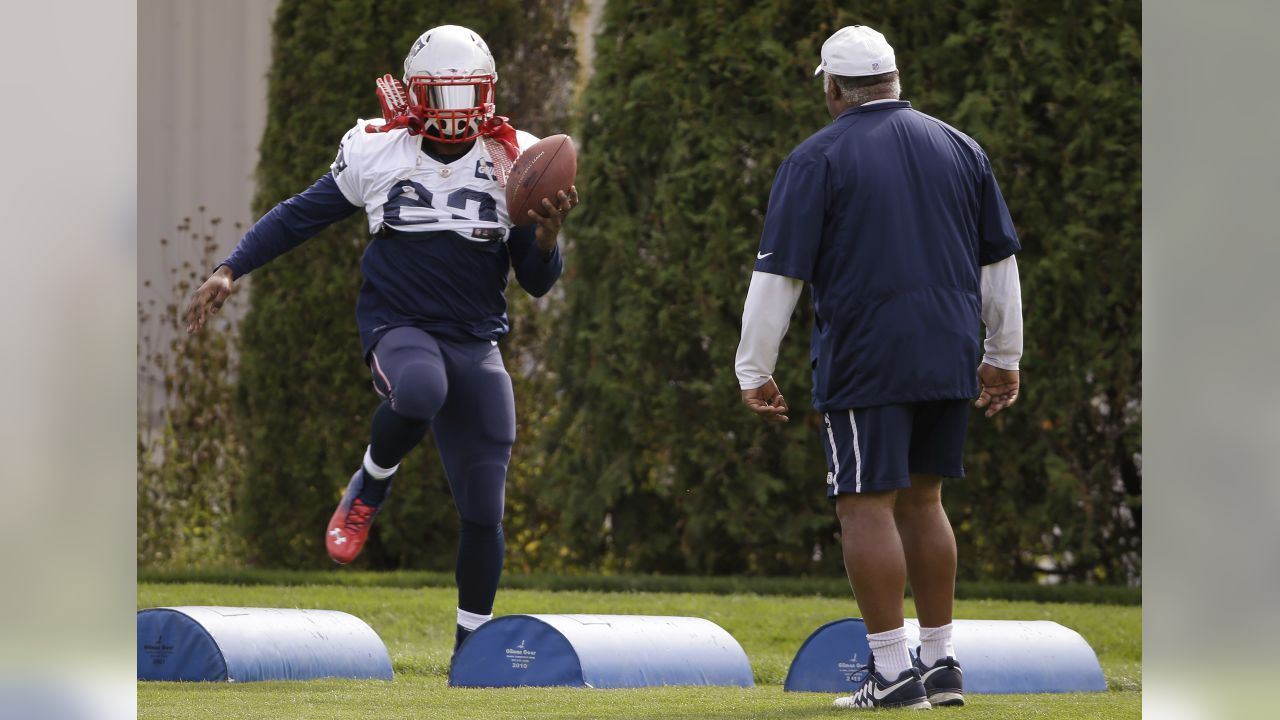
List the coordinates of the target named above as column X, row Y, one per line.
column 452, row 107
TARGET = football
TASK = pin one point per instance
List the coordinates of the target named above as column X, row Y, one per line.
column 547, row 167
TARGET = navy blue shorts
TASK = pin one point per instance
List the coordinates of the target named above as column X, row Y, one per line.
column 878, row 448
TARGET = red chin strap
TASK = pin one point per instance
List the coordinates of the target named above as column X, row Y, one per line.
column 397, row 115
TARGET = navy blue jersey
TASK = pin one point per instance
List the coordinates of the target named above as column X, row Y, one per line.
column 889, row 214
column 416, row 272
column 447, row 285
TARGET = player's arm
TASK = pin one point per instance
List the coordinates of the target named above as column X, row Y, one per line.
column 766, row 315
column 998, row 374
column 535, row 251
column 288, row 225
column 332, row 198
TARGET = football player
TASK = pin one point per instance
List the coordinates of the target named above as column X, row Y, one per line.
column 430, row 176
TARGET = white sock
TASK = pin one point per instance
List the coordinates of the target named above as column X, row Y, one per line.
column 372, row 469
column 935, row 644
column 470, row 620
column 890, row 649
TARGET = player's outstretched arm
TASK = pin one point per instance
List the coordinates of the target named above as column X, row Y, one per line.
column 289, row 224
column 286, row 226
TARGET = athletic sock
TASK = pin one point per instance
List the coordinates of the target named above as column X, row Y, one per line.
column 935, row 644
column 467, row 623
column 376, row 480
column 890, row 651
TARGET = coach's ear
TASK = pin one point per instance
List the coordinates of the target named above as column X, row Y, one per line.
column 831, row 93
column 830, row 89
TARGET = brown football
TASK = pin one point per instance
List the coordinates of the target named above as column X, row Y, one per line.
column 547, row 167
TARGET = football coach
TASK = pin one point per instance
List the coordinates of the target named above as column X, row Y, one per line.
column 895, row 220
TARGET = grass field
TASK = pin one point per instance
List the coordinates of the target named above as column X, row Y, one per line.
column 417, row 626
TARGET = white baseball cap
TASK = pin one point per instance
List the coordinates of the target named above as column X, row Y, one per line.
column 856, row 51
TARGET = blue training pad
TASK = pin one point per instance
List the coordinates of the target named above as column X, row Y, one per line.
column 225, row 644
column 997, row 656
column 599, row 651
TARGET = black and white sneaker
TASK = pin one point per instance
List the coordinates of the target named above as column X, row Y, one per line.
column 943, row 681
column 876, row 692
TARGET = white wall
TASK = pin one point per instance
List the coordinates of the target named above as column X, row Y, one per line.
column 202, row 91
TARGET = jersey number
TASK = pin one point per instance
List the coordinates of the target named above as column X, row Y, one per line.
column 409, row 194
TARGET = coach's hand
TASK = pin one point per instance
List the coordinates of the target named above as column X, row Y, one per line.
column 549, row 224
column 208, row 298
column 767, row 402
column 999, row 388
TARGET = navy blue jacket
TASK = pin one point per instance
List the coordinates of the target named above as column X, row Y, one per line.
column 890, row 214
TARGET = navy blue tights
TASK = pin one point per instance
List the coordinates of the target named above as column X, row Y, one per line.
column 462, row 392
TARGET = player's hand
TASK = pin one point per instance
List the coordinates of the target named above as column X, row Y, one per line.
column 767, row 402
column 551, row 219
column 999, row 388
column 208, row 298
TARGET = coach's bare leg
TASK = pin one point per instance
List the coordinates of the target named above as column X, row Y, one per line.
column 930, row 549
column 873, row 557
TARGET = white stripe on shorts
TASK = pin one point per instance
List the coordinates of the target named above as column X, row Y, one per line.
column 857, row 455
column 835, row 456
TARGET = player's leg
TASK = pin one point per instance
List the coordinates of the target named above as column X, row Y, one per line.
column 408, row 372
column 867, row 463
column 474, row 433
column 937, row 451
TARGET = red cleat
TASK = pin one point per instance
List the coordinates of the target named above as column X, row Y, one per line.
column 349, row 526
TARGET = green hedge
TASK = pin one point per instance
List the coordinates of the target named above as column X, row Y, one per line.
column 691, row 109
column 304, row 392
